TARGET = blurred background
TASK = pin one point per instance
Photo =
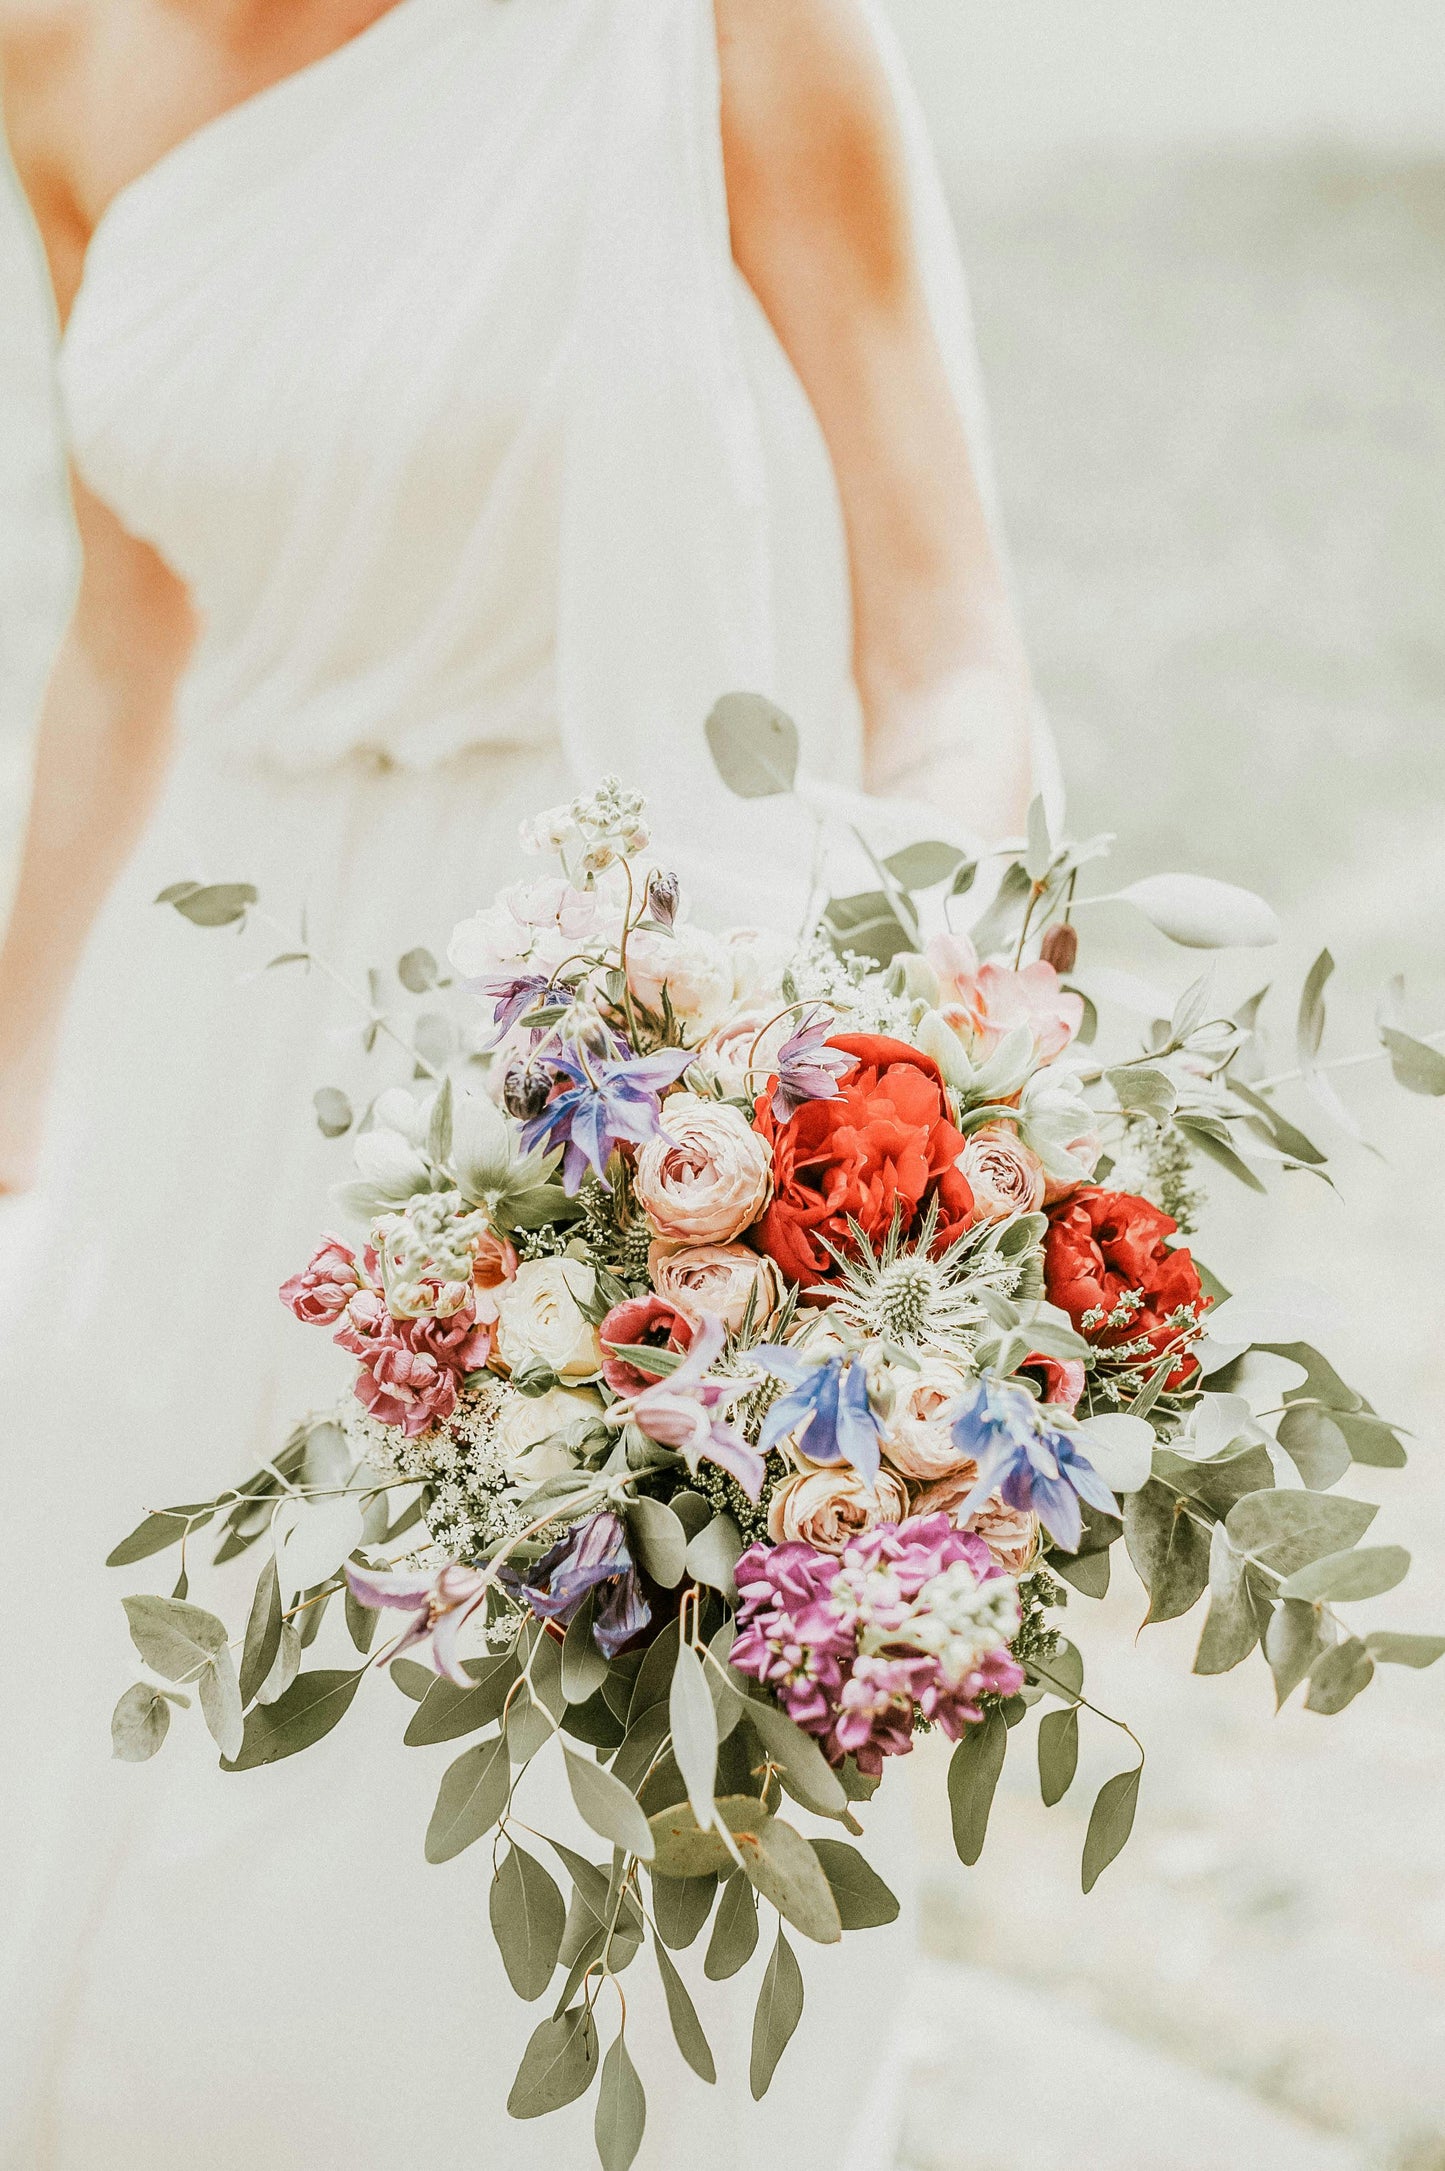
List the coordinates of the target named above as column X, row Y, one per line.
column 1208, row 254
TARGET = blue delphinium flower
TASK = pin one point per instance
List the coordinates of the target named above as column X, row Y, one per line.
column 607, row 1097
column 828, row 1396
column 1022, row 1454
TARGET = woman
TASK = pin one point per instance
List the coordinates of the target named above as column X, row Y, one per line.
column 463, row 394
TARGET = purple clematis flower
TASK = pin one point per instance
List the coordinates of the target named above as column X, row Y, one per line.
column 592, row 1554
column 1022, row 1455
column 514, row 994
column 438, row 1602
column 607, row 1097
column 689, row 1412
column 828, row 1396
column 808, row 1069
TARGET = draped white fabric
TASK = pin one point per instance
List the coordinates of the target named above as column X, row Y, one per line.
column 430, row 371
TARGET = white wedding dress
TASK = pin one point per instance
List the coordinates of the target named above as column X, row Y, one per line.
column 430, row 371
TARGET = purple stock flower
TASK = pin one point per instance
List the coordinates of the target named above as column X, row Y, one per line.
column 829, row 1396
column 607, row 1098
column 1029, row 1460
column 593, row 1554
column 808, row 1069
column 438, row 1602
column 688, row 1412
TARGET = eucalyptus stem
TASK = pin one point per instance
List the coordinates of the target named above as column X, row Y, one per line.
column 374, row 1016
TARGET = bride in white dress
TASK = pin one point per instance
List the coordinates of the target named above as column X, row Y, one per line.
column 462, row 395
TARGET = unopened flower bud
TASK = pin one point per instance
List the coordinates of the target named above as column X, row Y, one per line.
column 662, row 897
column 1060, row 946
column 525, row 1092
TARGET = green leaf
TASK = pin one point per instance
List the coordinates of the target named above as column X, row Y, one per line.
column 684, row 1849
column 584, row 1669
column 139, row 1724
column 1287, row 1530
column 1141, row 1087
column 786, row 1871
column 212, row 904
column 714, row 1553
column 1088, row 1572
column 997, row 927
column 413, row 1680
column 686, row 2027
column 694, row 1730
column 1284, row 1134
column 285, row 1666
column 972, row 1776
column 659, row 1540
column 361, row 1621
column 1219, row 1150
column 608, row 1806
column 177, row 1639
column 735, row 1933
column 310, row 1707
column 621, row 2110
column 867, row 922
column 779, row 2009
column 863, row 1901
column 1168, row 1548
column 654, row 1673
column 921, row 866
column 805, row 1769
column 754, row 745
column 1110, row 1823
column 417, row 971
column 263, row 1633
column 1058, row 1753
column 447, row 1711
column 1292, row 1642
column 557, row 2065
column 1337, row 1677
column 1417, row 1066
column 334, row 1112
column 219, row 1695
column 1358, row 1572
column 1232, row 1628
column 472, row 1796
column 680, row 1907
column 165, row 1528
column 1201, row 913
column 1315, row 1445
column 1388, row 1647
column 528, row 1915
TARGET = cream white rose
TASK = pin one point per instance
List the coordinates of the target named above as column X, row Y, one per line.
column 917, row 1438
column 759, row 960
column 716, row 1279
column 540, row 1321
column 1005, row 1176
column 691, row 964
column 707, row 1175
column 528, row 1432
column 827, row 1509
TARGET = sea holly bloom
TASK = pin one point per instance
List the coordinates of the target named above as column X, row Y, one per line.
column 592, row 1556
column 688, row 1412
column 605, row 1098
column 1024, row 1455
column 808, row 1069
column 321, row 1292
column 438, row 1603
column 826, row 1405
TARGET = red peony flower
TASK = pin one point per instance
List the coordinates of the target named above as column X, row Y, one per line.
column 1105, row 1257
column 883, row 1144
column 648, row 1322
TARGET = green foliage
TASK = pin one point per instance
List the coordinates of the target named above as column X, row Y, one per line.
column 607, row 1805
column 1058, row 1753
column 754, row 745
column 786, row 1871
column 527, row 1916
column 1110, row 1823
column 693, row 1725
column 1168, row 1549
column 139, row 1724
column 735, row 1933
column 779, row 2009
column 863, row 1901
column 686, row 2027
column 310, row 1707
column 680, row 1907
column 471, row 1798
column 621, row 2110
column 659, row 1540
column 209, row 904
column 447, row 1711
column 334, row 1112
column 1337, row 1677
column 1288, row 1530
column 1361, row 1572
column 713, row 1553
column 973, row 1773
column 157, row 1532
column 557, row 2066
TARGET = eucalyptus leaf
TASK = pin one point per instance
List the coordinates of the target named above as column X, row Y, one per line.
column 694, row 1731
column 1232, row 1628
column 334, row 1112
column 413, row 1680
column 1200, row 913
column 621, row 2110
column 527, row 1915
column 779, row 2009
column 863, row 1900
column 263, row 1633
column 1358, row 1572
column 1292, row 1642
column 609, row 1807
column 1417, row 1066
column 735, row 1933
column 1338, row 1676
column 139, row 1724
column 1315, row 1445
column 921, row 866
column 447, row 1711
column 1088, row 1572
column 685, row 1849
column 1388, row 1647
column 680, row 1907
column 417, row 971
column 210, row 904
column 686, row 2027
column 1287, row 1530
column 313, row 1538
column 219, row 1695
column 1168, row 1549
column 973, row 1774
column 177, row 1639
column 1110, row 1823
column 659, row 1540
column 1058, row 1753
column 557, row 2066
column 584, row 1669
column 754, row 745
column 310, row 1707
column 285, row 1666
column 158, row 1532
column 472, row 1797
column 713, row 1554
column 809, row 1775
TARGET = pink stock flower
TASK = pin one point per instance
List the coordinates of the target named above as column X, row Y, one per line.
column 321, row 1292
column 411, row 1368
column 984, row 1003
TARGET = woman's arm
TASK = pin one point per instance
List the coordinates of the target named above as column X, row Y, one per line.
column 818, row 198
column 105, row 727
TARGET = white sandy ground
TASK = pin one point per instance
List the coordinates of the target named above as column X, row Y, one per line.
column 1221, row 423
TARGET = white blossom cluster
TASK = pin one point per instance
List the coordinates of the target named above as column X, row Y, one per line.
column 474, row 1501
column 853, row 987
column 592, row 832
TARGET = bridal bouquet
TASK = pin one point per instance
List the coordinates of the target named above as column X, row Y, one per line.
column 754, row 1344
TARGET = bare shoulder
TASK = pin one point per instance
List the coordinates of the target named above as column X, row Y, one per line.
column 44, row 46
column 810, row 130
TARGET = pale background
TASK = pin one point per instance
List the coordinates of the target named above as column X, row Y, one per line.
column 1208, row 250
